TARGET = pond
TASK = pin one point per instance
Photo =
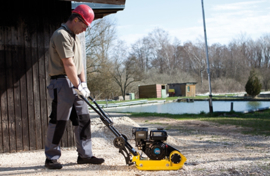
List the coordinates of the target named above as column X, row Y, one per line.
column 195, row 107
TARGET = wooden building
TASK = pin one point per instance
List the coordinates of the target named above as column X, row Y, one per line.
column 25, row 30
column 152, row 91
column 183, row 89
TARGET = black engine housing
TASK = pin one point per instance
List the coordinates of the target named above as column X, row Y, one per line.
column 153, row 146
column 156, row 151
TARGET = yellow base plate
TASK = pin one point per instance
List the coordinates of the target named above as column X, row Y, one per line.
column 164, row 164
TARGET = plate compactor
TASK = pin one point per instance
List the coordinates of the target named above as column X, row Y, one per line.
column 160, row 155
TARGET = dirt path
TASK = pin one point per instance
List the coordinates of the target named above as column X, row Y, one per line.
column 210, row 149
column 213, row 149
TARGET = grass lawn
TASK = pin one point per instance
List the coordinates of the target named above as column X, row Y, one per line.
column 258, row 123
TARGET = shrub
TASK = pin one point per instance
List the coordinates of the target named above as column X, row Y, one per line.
column 202, row 113
column 253, row 85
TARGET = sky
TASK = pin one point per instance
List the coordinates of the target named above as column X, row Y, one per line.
column 225, row 19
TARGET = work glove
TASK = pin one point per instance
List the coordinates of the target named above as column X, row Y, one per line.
column 84, row 85
column 82, row 90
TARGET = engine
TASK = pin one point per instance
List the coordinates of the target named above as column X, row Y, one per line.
column 153, row 145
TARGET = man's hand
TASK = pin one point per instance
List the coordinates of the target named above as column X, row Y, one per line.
column 82, row 91
column 84, row 85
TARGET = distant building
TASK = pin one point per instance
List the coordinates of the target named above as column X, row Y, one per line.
column 152, row 91
column 187, row 89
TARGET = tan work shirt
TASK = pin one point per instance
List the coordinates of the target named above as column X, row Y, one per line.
column 64, row 44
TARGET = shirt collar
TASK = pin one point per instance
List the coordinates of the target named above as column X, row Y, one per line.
column 67, row 29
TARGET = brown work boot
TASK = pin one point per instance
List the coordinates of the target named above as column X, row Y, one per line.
column 52, row 164
column 92, row 160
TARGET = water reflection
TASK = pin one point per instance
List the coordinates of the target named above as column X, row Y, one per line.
column 253, row 104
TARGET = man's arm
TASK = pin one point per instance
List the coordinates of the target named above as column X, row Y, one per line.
column 71, row 71
column 82, row 75
column 84, row 85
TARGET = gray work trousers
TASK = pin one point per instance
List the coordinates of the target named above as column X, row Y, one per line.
column 67, row 106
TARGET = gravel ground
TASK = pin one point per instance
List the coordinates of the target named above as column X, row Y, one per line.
column 210, row 149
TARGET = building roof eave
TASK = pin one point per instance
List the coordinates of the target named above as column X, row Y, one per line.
column 100, row 10
column 117, row 2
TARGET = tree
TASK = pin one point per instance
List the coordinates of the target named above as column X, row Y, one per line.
column 253, row 85
column 197, row 58
column 99, row 41
column 265, row 78
column 160, row 49
column 141, row 49
column 125, row 69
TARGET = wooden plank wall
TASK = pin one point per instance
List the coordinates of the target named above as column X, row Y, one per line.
column 192, row 91
column 148, row 91
column 178, row 91
column 24, row 43
column 183, row 90
column 3, row 88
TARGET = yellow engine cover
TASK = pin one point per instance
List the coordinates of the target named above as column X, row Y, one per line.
column 164, row 164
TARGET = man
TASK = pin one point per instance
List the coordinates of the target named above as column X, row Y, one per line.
column 66, row 86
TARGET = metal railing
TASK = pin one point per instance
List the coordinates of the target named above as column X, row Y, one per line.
column 130, row 103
